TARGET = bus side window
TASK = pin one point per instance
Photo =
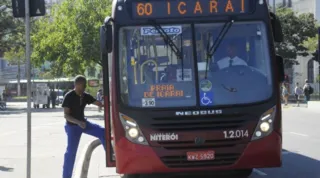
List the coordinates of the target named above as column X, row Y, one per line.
column 276, row 28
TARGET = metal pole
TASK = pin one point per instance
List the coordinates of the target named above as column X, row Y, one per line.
column 28, row 54
column 274, row 6
column 318, row 51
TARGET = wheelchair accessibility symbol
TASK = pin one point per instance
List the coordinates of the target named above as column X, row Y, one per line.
column 205, row 100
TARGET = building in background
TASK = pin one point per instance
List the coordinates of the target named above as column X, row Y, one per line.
column 308, row 69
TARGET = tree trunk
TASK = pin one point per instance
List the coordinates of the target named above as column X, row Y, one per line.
column 18, row 79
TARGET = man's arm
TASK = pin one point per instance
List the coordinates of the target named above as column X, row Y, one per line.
column 68, row 117
column 92, row 100
column 98, row 103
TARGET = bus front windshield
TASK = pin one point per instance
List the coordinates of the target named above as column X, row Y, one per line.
column 153, row 74
column 239, row 71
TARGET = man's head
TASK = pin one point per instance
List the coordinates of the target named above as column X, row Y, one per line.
column 306, row 81
column 232, row 50
column 297, row 84
column 80, row 83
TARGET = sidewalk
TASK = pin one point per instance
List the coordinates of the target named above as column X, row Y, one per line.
column 48, row 143
column 98, row 167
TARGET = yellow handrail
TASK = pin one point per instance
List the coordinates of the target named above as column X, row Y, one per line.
column 133, row 64
column 142, row 70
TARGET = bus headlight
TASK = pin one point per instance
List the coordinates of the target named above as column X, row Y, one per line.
column 265, row 124
column 133, row 133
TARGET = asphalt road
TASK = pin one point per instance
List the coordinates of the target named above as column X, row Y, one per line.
column 301, row 149
column 301, row 142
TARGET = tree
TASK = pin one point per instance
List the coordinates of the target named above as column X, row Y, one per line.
column 312, row 45
column 16, row 56
column 69, row 39
column 12, row 29
column 296, row 29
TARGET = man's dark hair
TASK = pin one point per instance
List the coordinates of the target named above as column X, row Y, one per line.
column 80, row 79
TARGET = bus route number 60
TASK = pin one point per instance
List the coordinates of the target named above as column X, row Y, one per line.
column 144, row 9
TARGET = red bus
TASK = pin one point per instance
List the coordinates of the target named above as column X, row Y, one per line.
column 194, row 86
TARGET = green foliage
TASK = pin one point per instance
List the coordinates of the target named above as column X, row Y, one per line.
column 92, row 90
column 15, row 56
column 311, row 43
column 11, row 29
column 46, row 75
column 296, row 30
column 69, row 39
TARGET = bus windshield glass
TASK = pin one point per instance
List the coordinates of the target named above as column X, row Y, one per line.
column 151, row 73
column 239, row 71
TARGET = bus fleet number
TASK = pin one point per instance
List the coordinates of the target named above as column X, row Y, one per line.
column 235, row 134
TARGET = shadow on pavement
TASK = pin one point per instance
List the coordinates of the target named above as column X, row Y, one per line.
column 9, row 111
column 6, row 169
column 295, row 165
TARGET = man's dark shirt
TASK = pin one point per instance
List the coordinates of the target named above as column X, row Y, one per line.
column 73, row 101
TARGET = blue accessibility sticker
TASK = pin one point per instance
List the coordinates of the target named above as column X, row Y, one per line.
column 206, row 98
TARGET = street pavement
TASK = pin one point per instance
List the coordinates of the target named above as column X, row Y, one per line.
column 301, row 153
column 301, row 142
column 48, row 141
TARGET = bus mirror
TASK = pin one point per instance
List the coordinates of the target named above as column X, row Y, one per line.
column 103, row 40
column 276, row 28
column 106, row 39
column 280, row 63
column 109, row 38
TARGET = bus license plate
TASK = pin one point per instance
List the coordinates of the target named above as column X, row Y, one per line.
column 200, row 155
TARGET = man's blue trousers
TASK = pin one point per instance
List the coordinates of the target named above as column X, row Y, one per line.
column 74, row 133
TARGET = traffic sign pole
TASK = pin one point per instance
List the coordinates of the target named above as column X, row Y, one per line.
column 318, row 56
column 28, row 55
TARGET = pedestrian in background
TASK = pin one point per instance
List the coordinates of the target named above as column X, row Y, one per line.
column 100, row 98
column 285, row 94
column 298, row 91
column 53, row 96
column 307, row 90
column 74, row 104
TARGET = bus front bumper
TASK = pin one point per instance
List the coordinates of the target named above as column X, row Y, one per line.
column 139, row 159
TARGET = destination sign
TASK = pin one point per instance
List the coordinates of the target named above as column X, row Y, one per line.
column 163, row 91
column 189, row 8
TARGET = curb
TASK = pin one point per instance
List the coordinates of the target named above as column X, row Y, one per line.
column 82, row 167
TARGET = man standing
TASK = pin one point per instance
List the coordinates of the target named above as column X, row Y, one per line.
column 53, row 96
column 74, row 103
column 298, row 92
column 308, row 90
column 100, row 98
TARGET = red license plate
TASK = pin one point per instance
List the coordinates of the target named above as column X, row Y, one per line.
column 200, row 155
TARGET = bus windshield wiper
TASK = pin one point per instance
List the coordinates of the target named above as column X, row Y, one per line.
column 212, row 49
column 169, row 42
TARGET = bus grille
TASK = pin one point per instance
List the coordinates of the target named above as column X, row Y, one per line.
column 181, row 161
column 203, row 123
column 190, row 145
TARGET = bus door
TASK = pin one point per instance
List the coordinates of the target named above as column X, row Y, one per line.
column 105, row 41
